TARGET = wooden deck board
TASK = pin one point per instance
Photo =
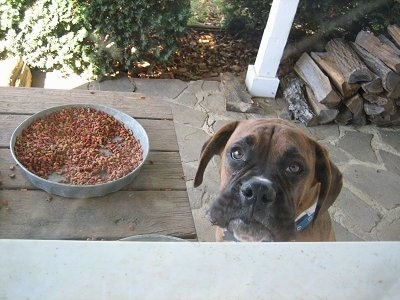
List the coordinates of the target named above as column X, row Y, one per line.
column 31, row 216
column 33, row 100
column 162, row 170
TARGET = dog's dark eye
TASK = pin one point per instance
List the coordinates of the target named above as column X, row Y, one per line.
column 237, row 153
column 294, row 168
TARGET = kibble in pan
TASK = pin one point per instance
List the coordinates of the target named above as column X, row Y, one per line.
column 78, row 146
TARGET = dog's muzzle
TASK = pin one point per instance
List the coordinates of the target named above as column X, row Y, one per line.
column 250, row 210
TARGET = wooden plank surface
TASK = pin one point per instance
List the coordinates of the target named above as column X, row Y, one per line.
column 33, row 100
column 155, row 202
column 31, row 216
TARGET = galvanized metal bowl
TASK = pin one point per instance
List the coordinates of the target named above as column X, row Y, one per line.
column 153, row 238
column 84, row 191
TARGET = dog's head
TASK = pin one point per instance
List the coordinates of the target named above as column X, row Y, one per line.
column 270, row 173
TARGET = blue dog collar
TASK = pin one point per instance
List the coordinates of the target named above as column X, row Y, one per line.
column 305, row 218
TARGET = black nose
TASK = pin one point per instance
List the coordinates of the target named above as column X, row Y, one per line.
column 257, row 190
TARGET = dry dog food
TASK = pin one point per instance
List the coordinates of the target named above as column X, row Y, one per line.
column 80, row 146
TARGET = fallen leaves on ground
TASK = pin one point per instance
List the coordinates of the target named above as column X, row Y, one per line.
column 204, row 53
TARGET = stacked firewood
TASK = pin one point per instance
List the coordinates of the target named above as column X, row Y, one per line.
column 350, row 83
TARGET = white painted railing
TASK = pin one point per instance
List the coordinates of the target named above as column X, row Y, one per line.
column 32, row 269
column 261, row 79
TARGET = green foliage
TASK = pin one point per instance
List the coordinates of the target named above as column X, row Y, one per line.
column 126, row 33
column 99, row 37
column 11, row 13
column 246, row 18
column 326, row 17
column 206, row 12
column 343, row 17
column 51, row 36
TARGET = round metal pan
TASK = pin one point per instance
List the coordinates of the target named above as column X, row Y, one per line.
column 84, row 191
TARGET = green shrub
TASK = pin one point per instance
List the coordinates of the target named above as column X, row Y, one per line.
column 343, row 17
column 100, row 37
column 126, row 33
column 11, row 13
column 248, row 18
column 51, row 35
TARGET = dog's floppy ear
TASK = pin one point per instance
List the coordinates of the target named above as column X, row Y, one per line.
column 330, row 178
column 212, row 147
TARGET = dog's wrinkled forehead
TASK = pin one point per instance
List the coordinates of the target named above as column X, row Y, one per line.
column 272, row 137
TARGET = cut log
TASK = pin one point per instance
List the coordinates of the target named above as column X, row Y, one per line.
column 348, row 62
column 388, row 104
column 382, row 51
column 355, row 104
column 344, row 117
column 385, row 120
column 324, row 114
column 390, row 79
column 360, row 120
column 388, row 42
column 25, row 77
column 294, row 95
column 391, row 107
column 373, row 109
column 325, row 62
column 319, row 83
column 394, row 31
column 376, row 99
column 374, row 86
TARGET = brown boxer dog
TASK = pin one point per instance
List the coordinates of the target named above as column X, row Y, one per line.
column 277, row 183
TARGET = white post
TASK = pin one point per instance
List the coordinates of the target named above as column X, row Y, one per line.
column 261, row 80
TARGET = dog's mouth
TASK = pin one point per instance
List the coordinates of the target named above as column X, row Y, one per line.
column 250, row 231
column 244, row 229
column 252, row 222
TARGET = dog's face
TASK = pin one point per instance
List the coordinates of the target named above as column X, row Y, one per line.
column 270, row 173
